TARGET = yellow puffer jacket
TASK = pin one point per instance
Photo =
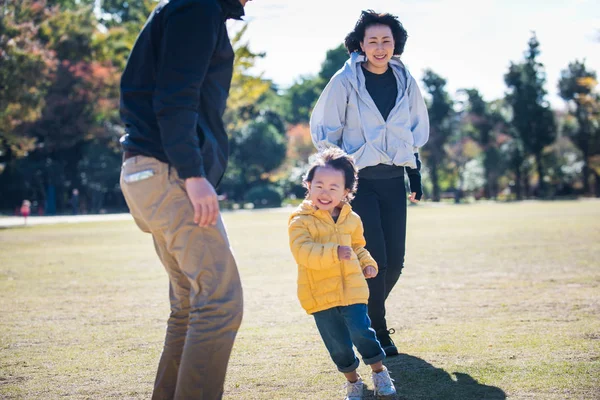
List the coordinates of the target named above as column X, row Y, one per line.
column 325, row 281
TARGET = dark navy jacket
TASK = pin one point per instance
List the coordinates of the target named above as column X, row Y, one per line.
column 175, row 87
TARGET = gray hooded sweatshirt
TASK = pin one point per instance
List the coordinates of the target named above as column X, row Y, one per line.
column 346, row 116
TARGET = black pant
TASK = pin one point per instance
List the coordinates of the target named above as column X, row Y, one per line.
column 381, row 204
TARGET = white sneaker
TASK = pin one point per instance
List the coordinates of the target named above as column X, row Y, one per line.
column 354, row 391
column 384, row 385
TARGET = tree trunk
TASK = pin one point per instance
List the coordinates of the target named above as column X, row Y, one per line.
column 526, row 186
column 597, row 179
column 434, row 181
column 518, row 180
column 540, row 171
column 587, row 190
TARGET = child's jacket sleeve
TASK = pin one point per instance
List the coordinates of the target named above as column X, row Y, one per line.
column 358, row 245
column 312, row 255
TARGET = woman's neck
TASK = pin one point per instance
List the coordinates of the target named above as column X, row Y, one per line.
column 374, row 69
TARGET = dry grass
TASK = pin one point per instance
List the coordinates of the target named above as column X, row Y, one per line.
column 497, row 301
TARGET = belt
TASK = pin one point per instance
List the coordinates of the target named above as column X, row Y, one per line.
column 127, row 154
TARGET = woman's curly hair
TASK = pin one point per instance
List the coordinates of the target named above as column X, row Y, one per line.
column 369, row 18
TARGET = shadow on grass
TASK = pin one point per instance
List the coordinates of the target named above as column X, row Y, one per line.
column 416, row 379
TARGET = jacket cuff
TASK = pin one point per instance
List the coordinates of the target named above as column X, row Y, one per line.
column 196, row 171
column 414, row 180
column 334, row 250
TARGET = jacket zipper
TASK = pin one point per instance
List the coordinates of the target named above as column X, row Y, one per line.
column 343, row 269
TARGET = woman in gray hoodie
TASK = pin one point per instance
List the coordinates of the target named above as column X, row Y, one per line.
column 372, row 108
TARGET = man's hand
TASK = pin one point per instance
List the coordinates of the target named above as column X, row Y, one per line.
column 370, row 272
column 344, row 252
column 203, row 197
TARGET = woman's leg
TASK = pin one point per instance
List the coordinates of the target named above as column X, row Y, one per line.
column 393, row 222
column 366, row 205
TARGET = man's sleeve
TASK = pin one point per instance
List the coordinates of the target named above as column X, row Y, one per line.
column 188, row 41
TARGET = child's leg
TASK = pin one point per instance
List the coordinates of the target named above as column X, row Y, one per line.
column 338, row 342
column 352, row 376
column 363, row 336
column 377, row 367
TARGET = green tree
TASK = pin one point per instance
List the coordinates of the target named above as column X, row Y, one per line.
column 301, row 97
column 259, row 150
column 257, row 131
column 26, row 72
column 79, row 101
column 576, row 87
column 441, row 119
column 479, row 122
column 334, row 60
column 246, row 88
column 533, row 119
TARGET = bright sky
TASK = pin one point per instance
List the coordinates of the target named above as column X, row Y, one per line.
column 468, row 42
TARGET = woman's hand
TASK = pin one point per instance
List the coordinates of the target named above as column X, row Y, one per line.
column 413, row 197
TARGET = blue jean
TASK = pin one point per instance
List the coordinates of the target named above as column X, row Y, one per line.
column 340, row 327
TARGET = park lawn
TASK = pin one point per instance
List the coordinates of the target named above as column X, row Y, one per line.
column 496, row 301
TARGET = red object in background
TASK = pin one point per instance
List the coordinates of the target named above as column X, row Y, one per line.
column 26, row 208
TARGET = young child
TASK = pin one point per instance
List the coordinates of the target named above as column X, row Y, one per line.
column 326, row 239
column 25, row 210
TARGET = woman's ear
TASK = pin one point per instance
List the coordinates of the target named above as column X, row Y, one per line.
column 362, row 48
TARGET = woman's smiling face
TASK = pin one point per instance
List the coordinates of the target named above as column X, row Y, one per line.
column 378, row 45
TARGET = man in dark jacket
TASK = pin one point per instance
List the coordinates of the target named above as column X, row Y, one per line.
column 173, row 94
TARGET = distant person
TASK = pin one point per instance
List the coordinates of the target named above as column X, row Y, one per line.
column 326, row 239
column 25, row 210
column 173, row 94
column 372, row 108
column 75, row 201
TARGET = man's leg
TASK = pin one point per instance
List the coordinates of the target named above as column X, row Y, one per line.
column 177, row 325
column 198, row 260
column 205, row 258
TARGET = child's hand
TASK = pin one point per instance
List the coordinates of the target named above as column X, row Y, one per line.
column 344, row 252
column 369, row 272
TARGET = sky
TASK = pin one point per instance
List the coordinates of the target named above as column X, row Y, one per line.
column 468, row 42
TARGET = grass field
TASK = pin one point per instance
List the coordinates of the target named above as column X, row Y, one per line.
column 497, row 301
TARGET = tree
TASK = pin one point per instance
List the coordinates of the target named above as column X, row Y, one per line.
column 258, row 144
column 480, row 121
column 246, row 88
column 26, row 73
column 441, row 116
column 576, row 87
column 533, row 119
column 301, row 97
column 334, row 60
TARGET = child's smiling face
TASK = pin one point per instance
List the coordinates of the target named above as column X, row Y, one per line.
column 327, row 189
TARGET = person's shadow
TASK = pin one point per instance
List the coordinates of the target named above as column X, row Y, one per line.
column 416, row 379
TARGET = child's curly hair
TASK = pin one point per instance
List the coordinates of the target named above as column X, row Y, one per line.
column 369, row 18
column 335, row 158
